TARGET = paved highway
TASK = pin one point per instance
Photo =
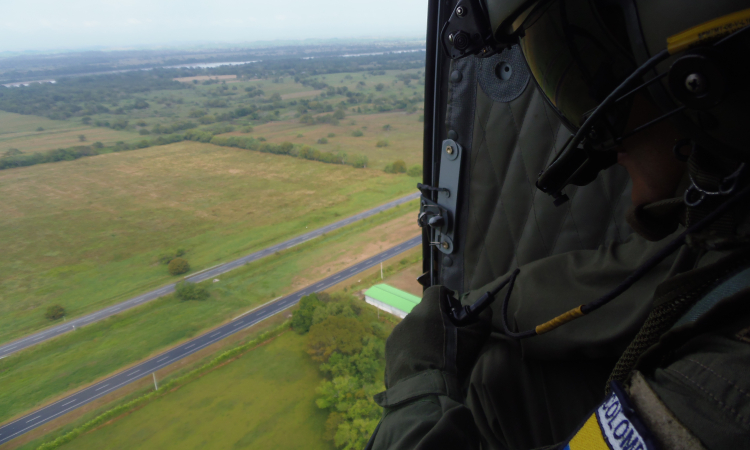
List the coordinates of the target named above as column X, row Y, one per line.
column 91, row 393
column 52, row 332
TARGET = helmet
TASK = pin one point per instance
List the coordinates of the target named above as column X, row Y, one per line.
column 590, row 57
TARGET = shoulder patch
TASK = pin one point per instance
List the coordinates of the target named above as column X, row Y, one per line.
column 614, row 425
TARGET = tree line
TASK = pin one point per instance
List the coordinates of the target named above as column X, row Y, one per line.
column 12, row 159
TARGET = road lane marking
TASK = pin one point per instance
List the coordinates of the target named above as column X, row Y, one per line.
column 133, row 373
column 101, row 387
column 163, row 359
column 215, row 334
column 31, row 420
column 191, row 345
column 68, row 402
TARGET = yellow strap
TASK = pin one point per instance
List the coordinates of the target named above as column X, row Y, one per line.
column 709, row 31
column 559, row 320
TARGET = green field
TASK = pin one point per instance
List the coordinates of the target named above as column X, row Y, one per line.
column 401, row 130
column 21, row 132
column 33, row 377
column 89, row 233
column 263, row 400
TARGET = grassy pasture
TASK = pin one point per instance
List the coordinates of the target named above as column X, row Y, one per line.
column 19, row 131
column 88, row 233
column 263, row 400
column 404, row 136
column 35, row 376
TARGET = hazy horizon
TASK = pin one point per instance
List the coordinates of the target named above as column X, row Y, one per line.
column 46, row 25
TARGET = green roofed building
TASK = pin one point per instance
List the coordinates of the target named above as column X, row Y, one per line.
column 391, row 300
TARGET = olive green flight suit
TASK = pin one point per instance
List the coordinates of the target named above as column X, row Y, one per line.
column 687, row 370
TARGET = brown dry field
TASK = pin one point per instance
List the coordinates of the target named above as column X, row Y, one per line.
column 406, row 280
column 379, row 238
column 206, row 77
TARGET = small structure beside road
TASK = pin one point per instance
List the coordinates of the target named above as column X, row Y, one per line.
column 391, row 300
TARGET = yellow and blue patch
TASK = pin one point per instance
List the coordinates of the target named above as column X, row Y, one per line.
column 614, row 425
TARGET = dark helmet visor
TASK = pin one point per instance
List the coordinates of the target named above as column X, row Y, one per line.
column 578, row 53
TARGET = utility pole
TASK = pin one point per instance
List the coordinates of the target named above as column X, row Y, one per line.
column 381, row 271
column 156, row 386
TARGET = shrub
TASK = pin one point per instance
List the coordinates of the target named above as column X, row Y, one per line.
column 360, row 161
column 178, row 266
column 39, row 129
column 186, row 291
column 322, row 141
column 386, row 127
column 415, row 171
column 12, row 152
column 382, row 143
column 143, row 132
column 330, row 135
column 399, row 166
column 54, row 312
column 357, row 133
column 98, row 145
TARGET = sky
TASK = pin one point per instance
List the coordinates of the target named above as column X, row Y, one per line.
column 82, row 24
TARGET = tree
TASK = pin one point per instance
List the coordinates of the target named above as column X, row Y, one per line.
column 357, row 133
column 322, row 141
column 276, row 97
column 54, row 312
column 382, row 143
column 399, row 166
column 86, row 120
column 360, row 161
column 178, row 266
column 379, row 87
column 39, row 129
column 186, row 290
column 98, row 145
column 302, row 319
column 82, row 137
column 415, row 171
column 12, row 152
column 335, row 334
